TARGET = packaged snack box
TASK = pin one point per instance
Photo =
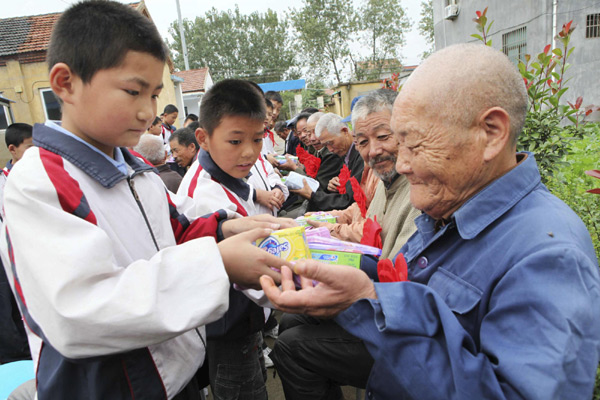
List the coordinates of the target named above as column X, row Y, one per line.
column 289, row 244
column 319, row 216
column 337, row 257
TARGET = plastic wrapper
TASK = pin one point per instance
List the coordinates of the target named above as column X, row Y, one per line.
column 294, row 181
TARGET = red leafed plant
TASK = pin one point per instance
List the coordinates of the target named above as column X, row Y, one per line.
column 596, row 174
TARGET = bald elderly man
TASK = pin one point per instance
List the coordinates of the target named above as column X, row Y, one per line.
column 504, row 289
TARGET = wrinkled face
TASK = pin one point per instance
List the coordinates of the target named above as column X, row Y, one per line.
column 170, row 118
column 312, row 138
column 116, row 107
column 337, row 144
column 18, row 151
column 438, row 157
column 155, row 129
column 183, row 155
column 302, row 132
column 234, row 144
column 376, row 143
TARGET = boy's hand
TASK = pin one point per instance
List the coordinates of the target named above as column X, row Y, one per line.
column 305, row 192
column 245, row 263
column 333, row 184
column 277, row 198
column 272, row 160
column 235, row 226
column 272, row 198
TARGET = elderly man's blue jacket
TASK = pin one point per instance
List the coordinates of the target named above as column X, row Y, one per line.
column 503, row 302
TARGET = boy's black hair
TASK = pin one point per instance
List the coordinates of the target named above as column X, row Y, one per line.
column 170, row 109
column 280, row 126
column 193, row 126
column 231, row 97
column 274, row 96
column 192, row 117
column 156, row 121
column 268, row 103
column 94, row 35
column 185, row 137
column 301, row 116
column 16, row 133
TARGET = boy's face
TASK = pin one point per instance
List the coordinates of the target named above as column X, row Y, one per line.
column 171, row 118
column 155, row 129
column 276, row 110
column 268, row 117
column 18, row 151
column 234, row 144
column 116, row 107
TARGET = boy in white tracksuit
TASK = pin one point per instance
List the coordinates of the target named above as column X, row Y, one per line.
column 114, row 276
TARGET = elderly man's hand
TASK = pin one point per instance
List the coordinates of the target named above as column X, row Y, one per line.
column 288, row 165
column 235, row 226
column 333, row 184
column 339, row 286
column 305, row 192
column 245, row 263
column 271, row 159
column 319, row 224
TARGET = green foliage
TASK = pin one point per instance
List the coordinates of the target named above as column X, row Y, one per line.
column 426, row 26
column 323, row 29
column 382, row 24
column 570, row 183
column 234, row 45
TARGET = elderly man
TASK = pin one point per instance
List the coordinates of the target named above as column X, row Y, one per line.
column 151, row 147
column 504, row 288
column 378, row 148
column 334, row 134
column 312, row 355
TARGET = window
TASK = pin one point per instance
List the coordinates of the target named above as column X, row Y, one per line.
column 514, row 45
column 592, row 26
column 50, row 104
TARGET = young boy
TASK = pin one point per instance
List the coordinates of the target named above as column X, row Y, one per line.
column 18, row 139
column 169, row 117
column 114, row 307
column 155, row 127
column 231, row 130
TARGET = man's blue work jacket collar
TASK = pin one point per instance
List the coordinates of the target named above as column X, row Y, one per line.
column 236, row 185
column 491, row 202
column 84, row 157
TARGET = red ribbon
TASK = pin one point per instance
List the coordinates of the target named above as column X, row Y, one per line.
column 343, row 178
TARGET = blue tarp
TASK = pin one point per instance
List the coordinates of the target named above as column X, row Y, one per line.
column 283, row 85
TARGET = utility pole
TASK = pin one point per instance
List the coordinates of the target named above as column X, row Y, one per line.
column 181, row 33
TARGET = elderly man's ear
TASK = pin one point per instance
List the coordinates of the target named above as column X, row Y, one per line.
column 496, row 124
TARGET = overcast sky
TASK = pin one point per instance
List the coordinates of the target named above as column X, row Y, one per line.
column 164, row 12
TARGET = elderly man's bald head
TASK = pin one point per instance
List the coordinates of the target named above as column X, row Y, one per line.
column 462, row 81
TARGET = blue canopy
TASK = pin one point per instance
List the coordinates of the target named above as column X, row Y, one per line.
column 283, row 85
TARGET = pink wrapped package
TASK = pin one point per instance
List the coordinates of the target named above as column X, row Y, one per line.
column 333, row 244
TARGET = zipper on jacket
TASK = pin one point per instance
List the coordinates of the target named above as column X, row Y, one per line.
column 139, row 203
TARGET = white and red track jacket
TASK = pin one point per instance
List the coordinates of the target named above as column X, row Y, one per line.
column 113, row 308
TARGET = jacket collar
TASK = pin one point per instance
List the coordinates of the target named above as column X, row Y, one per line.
column 498, row 197
column 237, row 186
column 86, row 159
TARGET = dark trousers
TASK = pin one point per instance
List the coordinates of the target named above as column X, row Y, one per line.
column 314, row 357
column 235, row 368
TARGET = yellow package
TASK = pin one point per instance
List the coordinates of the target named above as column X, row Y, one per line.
column 289, row 244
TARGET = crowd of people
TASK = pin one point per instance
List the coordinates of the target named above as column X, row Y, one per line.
column 129, row 244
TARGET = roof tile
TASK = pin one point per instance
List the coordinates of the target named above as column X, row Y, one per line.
column 194, row 80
